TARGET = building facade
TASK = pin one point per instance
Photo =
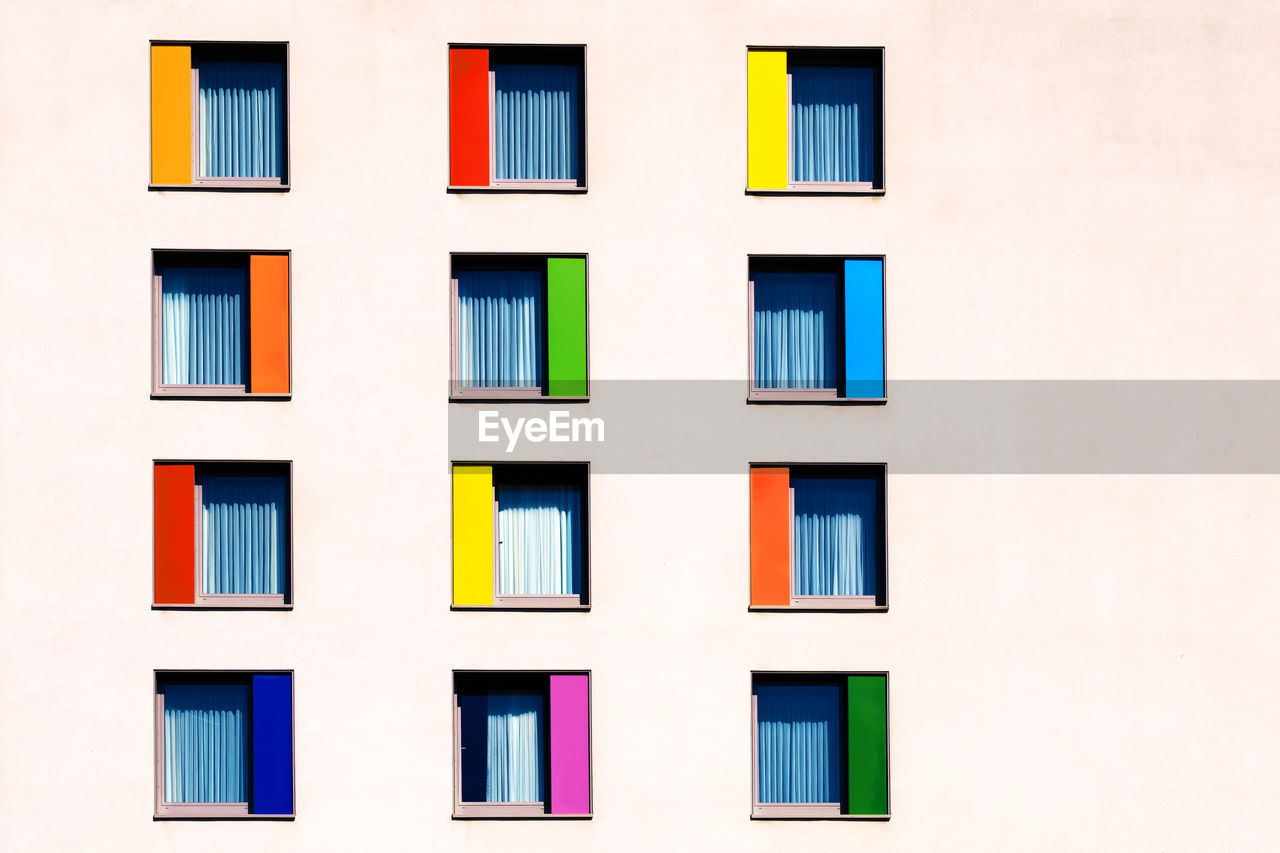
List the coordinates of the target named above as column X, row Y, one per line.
column 1069, row 212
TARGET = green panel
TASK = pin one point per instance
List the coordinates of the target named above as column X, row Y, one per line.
column 567, row 327
column 868, row 746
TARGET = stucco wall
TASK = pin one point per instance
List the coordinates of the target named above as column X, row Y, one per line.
column 1082, row 190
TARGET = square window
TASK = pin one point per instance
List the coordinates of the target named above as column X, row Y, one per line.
column 522, row 745
column 219, row 115
column 224, row 744
column 814, row 119
column 222, row 534
column 817, row 537
column 820, row 745
column 220, row 324
column 519, row 326
column 817, row 329
column 517, row 117
column 520, row 535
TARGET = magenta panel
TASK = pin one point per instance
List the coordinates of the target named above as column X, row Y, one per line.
column 570, row 745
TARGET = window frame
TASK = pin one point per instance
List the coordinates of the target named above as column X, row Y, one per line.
column 468, row 810
column 814, row 811
column 531, row 261
column 164, row 810
column 234, row 601
column 879, row 603
column 198, row 257
column 580, row 472
column 528, row 53
column 840, row 57
column 234, row 50
column 813, row 263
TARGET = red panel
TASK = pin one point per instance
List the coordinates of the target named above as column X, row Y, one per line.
column 175, row 534
column 468, row 117
column 770, row 536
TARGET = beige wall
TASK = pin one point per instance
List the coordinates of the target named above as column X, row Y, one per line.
column 1075, row 190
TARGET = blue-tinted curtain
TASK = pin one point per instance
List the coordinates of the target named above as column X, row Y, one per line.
column 244, row 534
column 204, row 323
column 241, row 119
column 513, row 763
column 205, row 743
column 539, row 536
column 500, row 322
column 834, row 538
column 535, row 122
column 796, row 330
column 798, row 743
column 832, row 124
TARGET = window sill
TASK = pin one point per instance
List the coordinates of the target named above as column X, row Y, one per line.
column 807, row 398
column 563, row 189
column 222, row 186
column 821, row 189
column 514, row 398
column 194, row 392
column 568, row 603
column 834, row 606
column 757, row 814
column 226, row 603
column 212, row 811
column 483, row 811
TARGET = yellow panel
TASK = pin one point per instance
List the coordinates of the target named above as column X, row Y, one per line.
column 767, row 119
column 170, row 114
column 472, row 535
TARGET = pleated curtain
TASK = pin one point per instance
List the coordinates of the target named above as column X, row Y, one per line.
column 513, row 762
column 535, row 122
column 244, row 534
column 798, row 743
column 203, row 320
column 832, row 124
column 834, row 536
column 796, row 334
column 241, row 119
column 538, row 539
column 500, row 322
column 206, row 743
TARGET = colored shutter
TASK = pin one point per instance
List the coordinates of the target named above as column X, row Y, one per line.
column 175, row 522
column 272, row 745
column 269, row 324
column 473, row 535
column 570, row 745
column 868, row 746
column 770, row 536
column 567, row 327
column 170, row 114
column 767, row 119
column 864, row 328
column 468, row 117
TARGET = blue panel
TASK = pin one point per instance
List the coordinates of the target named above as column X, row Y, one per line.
column 864, row 328
column 272, row 745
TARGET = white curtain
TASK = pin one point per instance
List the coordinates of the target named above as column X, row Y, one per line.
column 500, row 328
column 513, row 761
column 241, row 119
column 206, row 743
column 539, row 539
column 834, row 537
column 795, row 329
column 535, row 122
column 203, row 324
column 798, row 743
column 244, row 534
column 832, row 124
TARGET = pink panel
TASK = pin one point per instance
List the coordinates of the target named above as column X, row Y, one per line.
column 570, row 745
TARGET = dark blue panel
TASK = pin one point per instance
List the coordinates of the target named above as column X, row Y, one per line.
column 474, row 743
column 864, row 328
column 272, row 744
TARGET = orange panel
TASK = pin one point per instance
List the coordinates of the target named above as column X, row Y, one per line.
column 175, row 534
column 269, row 324
column 770, row 536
